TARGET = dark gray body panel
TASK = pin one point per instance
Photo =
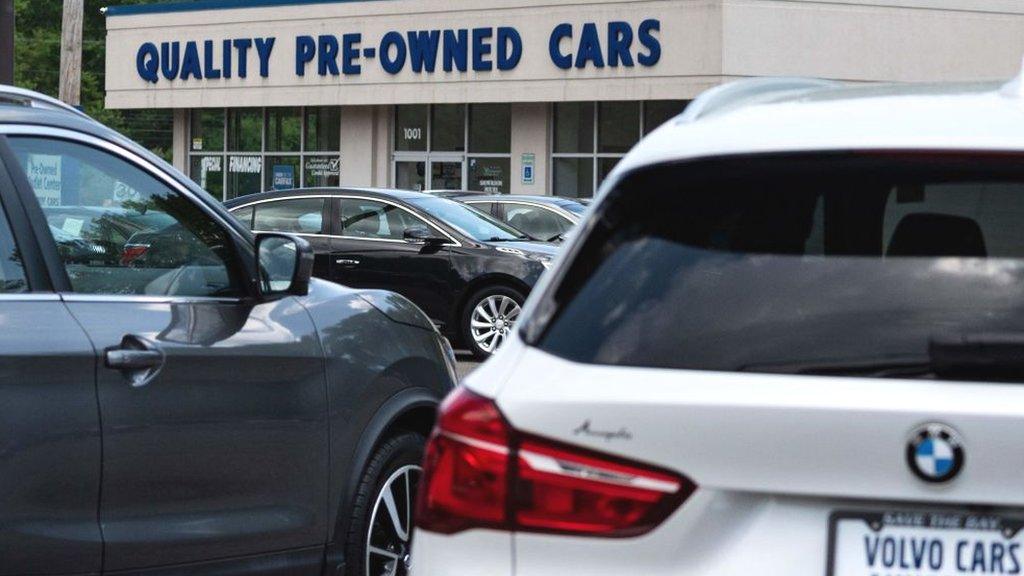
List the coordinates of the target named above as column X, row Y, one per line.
column 224, row 453
column 240, row 457
column 49, row 442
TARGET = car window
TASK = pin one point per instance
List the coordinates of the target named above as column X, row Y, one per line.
column 538, row 222
column 296, row 216
column 244, row 215
column 121, row 231
column 839, row 265
column 485, row 207
column 372, row 219
column 12, row 271
column 470, row 221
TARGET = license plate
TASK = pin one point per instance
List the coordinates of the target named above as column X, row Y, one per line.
column 924, row 544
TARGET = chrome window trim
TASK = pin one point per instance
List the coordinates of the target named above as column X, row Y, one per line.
column 554, row 209
column 144, row 298
column 29, row 297
column 454, row 242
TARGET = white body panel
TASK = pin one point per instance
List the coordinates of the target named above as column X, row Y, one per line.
column 773, row 456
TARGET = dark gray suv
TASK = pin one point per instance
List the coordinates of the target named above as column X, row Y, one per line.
column 178, row 396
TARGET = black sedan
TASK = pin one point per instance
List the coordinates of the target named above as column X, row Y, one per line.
column 468, row 271
column 547, row 218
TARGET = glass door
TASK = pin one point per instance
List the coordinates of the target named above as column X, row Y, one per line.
column 446, row 174
column 410, row 174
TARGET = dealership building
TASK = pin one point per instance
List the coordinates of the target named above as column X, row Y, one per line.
column 512, row 96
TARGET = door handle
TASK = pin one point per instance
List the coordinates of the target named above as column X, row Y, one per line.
column 137, row 358
column 347, row 262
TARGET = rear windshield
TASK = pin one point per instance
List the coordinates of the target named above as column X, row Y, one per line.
column 851, row 264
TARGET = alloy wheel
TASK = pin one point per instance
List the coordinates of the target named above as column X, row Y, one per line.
column 492, row 321
column 389, row 536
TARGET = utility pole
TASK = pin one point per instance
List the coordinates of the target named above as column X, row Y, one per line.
column 71, row 52
column 7, row 42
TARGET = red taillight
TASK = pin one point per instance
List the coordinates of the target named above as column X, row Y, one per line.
column 479, row 473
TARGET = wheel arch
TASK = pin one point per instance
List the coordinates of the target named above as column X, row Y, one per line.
column 412, row 409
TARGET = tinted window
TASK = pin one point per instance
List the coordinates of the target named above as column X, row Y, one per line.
column 539, row 223
column 12, row 272
column 296, row 216
column 371, row 219
column 831, row 265
column 470, row 221
column 244, row 215
column 121, row 231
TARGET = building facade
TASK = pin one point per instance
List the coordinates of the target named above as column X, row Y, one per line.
column 511, row 96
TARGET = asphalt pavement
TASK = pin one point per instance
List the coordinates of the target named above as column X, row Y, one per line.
column 466, row 362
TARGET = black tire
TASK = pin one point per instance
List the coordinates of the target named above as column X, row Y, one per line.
column 467, row 315
column 393, row 455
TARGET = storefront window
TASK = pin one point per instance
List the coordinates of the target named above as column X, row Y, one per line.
column 657, row 112
column 618, row 126
column 590, row 139
column 491, row 175
column 411, row 128
column 245, row 130
column 323, row 129
column 431, row 145
column 208, row 172
column 244, row 175
column 265, row 149
column 490, row 128
column 284, row 130
column 448, row 128
column 574, row 177
column 207, row 131
column 574, row 127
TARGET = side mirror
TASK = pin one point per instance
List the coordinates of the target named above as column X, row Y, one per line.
column 285, row 265
column 423, row 235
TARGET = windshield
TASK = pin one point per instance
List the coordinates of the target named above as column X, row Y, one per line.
column 470, row 221
column 841, row 265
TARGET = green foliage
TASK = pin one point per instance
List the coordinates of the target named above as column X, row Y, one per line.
column 37, row 67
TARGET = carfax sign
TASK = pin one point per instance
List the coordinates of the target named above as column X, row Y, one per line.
column 408, row 51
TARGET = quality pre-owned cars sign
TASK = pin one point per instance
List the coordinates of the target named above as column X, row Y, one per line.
column 409, row 51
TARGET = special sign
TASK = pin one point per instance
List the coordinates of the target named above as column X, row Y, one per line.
column 616, row 44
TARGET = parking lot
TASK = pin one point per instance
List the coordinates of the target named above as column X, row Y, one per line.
column 467, row 363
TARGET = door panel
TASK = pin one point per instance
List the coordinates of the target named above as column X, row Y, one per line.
column 224, row 453
column 370, row 253
column 213, row 408
column 49, row 442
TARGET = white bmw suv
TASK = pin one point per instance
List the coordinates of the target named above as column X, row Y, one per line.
column 788, row 339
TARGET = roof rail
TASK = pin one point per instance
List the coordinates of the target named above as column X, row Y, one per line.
column 23, row 97
column 745, row 92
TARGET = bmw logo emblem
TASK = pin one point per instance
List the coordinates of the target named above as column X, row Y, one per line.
column 935, row 453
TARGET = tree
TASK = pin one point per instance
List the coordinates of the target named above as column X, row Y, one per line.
column 37, row 67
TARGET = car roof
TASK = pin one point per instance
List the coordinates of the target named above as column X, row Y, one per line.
column 793, row 115
column 556, row 200
column 383, row 193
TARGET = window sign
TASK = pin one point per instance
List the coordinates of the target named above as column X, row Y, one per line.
column 209, row 164
column 489, row 175
column 44, row 174
column 125, row 193
column 284, row 177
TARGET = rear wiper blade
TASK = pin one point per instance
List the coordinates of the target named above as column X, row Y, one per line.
column 989, row 354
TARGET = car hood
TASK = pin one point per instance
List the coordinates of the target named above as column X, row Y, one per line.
column 535, row 248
